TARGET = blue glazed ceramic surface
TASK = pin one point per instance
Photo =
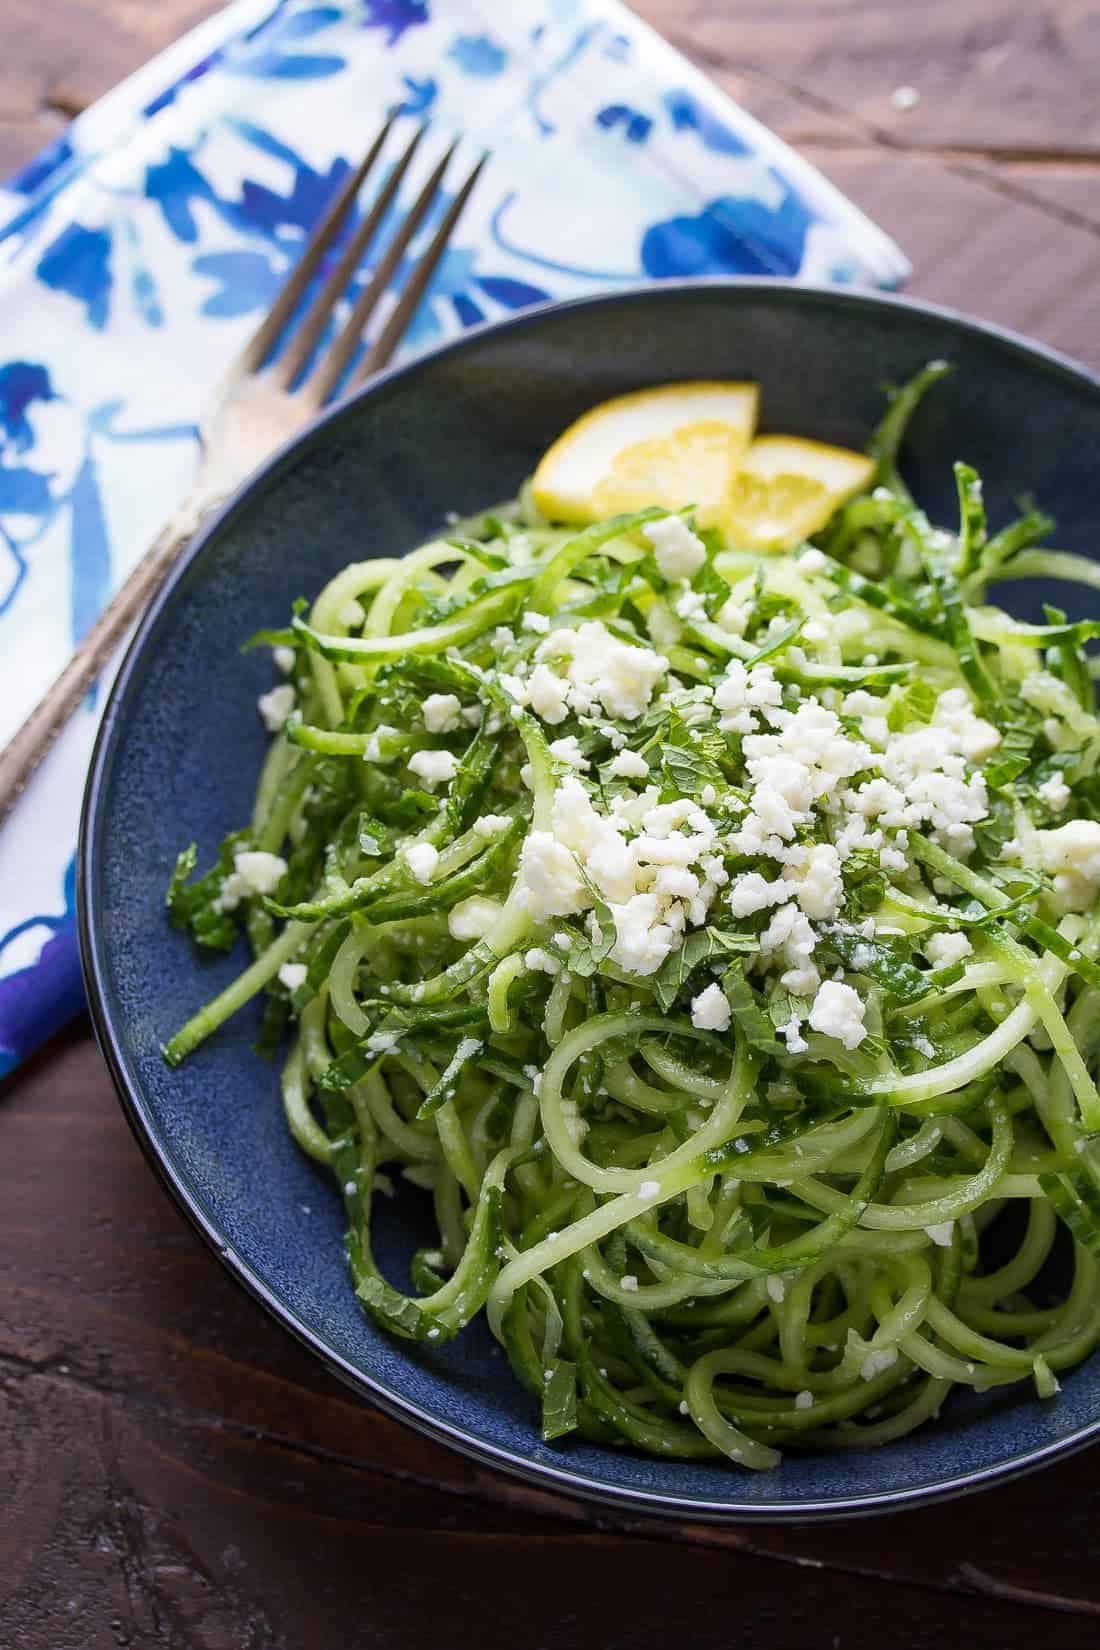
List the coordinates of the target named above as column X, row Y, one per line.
column 181, row 746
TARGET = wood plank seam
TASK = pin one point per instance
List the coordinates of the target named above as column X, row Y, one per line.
column 877, row 137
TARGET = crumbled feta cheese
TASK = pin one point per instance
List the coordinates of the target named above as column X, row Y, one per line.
column 815, row 631
column 422, row 860
column 1055, row 793
column 275, row 706
column 679, row 554
column 812, row 561
column 691, row 608
column 433, row 767
column 569, row 751
column 838, row 1012
column 550, row 880
column 710, row 1010
column 351, row 614
column 629, row 1283
column 944, row 949
column 548, row 694
column 649, row 1189
column 976, row 737
column 382, row 1042
column 804, row 1400
column 790, row 935
column 877, row 1361
column 599, row 670
column 441, row 712
column 1072, row 855
column 254, row 873
column 538, row 961
column 941, row 1234
column 539, row 622
column 472, row 918
column 628, row 765
column 742, row 692
column 503, row 638
column 491, row 824
column 777, row 1289
column 708, row 796
column 284, row 659
column 292, row 975
column 792, row 1035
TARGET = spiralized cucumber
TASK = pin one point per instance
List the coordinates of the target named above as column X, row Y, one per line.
column 718, row 951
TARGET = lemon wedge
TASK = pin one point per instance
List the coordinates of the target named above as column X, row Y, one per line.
column 674, row 445
column 787, row 488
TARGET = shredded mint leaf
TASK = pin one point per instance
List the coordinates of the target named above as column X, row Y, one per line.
column 702, row 946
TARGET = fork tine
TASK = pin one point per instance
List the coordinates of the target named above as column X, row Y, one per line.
column 323, row 234
column 328, row 372
column 302, row 345
column 405, row 308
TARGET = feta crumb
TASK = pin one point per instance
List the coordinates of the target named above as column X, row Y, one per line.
column 382, row 1042
column 944, row 949
column 539, row 622
column 792, row 1034
column 471, row 919
column 599, row 669
column 538, row 961
column 254, row 873
column 628, row 765
column 838, row 1012
column 679, row 554
column 941, row 1234
column 733, row 617
column 649, row 1189
column 877, row 1361
column 815, row 631
column 629, row 1283
column 710, row 1010
column 491, row 824
column 708, row 796
column 569, row 751
column 1072, row 854
column 812, row 561
column 422, row 860
column 550, row 880
column 777, row 1289
column 804, row 1400
column 433, row 767
column 275, row 706
column 1055, row 793
column 441, row 712
column 292, row 975
column 284, row 659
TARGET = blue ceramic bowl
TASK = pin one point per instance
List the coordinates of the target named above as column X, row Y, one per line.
column 181, row 746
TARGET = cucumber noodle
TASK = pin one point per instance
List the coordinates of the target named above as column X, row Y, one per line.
column 772, row 1145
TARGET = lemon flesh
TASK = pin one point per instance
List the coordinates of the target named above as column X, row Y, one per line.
column 786, row 489
column 673, row 446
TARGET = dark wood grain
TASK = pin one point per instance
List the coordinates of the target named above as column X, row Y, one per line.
column 176, row 1472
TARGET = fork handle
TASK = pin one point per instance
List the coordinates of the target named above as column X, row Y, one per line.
column 20, row 758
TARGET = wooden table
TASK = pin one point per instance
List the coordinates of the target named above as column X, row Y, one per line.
column 173, row 1470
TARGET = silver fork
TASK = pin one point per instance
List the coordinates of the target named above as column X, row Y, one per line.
column 257, row 406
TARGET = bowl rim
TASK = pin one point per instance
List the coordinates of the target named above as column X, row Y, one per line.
column 546, row 1475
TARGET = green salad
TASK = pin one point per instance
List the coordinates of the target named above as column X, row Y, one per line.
column 712, row 934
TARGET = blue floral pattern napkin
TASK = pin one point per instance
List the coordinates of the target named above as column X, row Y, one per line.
column 138, row 251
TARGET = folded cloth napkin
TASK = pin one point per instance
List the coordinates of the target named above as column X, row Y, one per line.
column 142, row 247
